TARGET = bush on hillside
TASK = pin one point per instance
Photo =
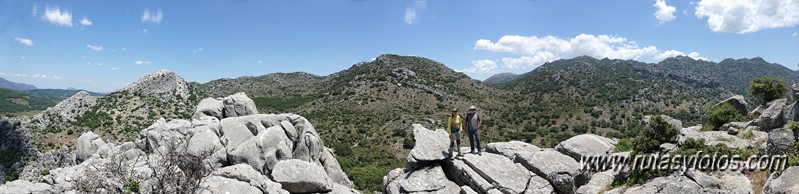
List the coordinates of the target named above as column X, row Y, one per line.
column 766, row 89
column 718, row 116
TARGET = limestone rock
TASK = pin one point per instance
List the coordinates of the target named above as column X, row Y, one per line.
column 241, row 177
column 586, row 145
column 209, row 107
column 736, row 101
column 238, row 105
column 430, row 145
column 772, row 117
column 24, row 186
column 509, row 149
column 499, row 170
column 264, row 151
column 463, row 174
column 429, row 179
column 598, row 183
column 786, row 182
column 781, row 141
column 298, row 176
column 562, row 171
column 87, row 145
column 333, row 168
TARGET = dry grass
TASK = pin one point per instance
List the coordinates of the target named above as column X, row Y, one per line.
column 758, row 180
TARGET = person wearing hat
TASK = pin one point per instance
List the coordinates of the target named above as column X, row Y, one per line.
column 473, row 122
column 454, row 126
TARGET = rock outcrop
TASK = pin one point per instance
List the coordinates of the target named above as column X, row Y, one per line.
column 162, row 84
column 783, row 183
column 586, row 145
column 244, row 152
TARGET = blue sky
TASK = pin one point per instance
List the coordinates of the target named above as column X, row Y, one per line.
column 104, row 45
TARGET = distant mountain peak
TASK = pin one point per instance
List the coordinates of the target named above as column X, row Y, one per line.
column 163, row 84
column 501, row 78
column 15, row 86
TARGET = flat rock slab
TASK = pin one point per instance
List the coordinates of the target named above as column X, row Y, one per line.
column 499, row 170
column 586, row 145
column 509, row 149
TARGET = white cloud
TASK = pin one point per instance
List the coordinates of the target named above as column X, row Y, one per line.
column 56, row 16
column 124, row 49
column 100, row 64
column 22, row 57
column 86, row 22
column 674, row 53
column 145, row 31
column 794, row 34
column 56, row 77
column 140, row 62
column 410, row 12
column 14, row 74
column 197, row 50
column 153, row 17
column 482, row 66
column 745, row 16
column 94, row 47
column 113, row 68
column 258, row 61
column 664, row 11
column 24, row 41
column 85, row 81
column 534, row 51
column 410, row 15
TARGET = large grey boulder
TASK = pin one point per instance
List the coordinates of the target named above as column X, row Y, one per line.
column 206, row 143
column 736, row 101
column 790, row 113
column 598, row 183
column 264, row 151
column 501, row 171
column 586, row 145
column 309, row 148
column 795, row 91
column 781, row 141
column 87, row 145
column 298, row 176
column 238, row 105
column 509, row 149
column 667, row 185
column 240, row 178
column 430, row 145
column 772, row 117
column 209, row 107
column 24, row 186
column 562, row 171
column 428, row 179
column 333, row 168
column 162, row 136
column 786, row 182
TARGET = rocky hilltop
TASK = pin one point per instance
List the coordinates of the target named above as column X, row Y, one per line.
column 226, row 147
column 162, row 84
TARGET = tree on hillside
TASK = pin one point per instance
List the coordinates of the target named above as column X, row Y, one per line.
column 766, row 89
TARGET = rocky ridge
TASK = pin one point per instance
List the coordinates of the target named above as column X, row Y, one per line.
column 226, row 147
column 163, row 84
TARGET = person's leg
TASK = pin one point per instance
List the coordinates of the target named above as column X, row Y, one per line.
column 477, row 138
column 471, row 141
column 458, row 141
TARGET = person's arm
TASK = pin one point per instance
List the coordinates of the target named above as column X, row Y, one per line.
column 479, row 120
column 449, row 127
column 462, row 122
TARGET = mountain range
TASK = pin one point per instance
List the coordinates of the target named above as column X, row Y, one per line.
column 365, row 112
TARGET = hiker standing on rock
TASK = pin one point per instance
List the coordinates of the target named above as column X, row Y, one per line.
column 455, row 124
column 473, row 122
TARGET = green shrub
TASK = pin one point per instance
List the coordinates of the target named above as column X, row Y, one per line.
column 795, row 127
column 624, row 145
column 658, row 131
column 766, row 89
column 45, row 172
column 720, row 115
column 132, row 186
